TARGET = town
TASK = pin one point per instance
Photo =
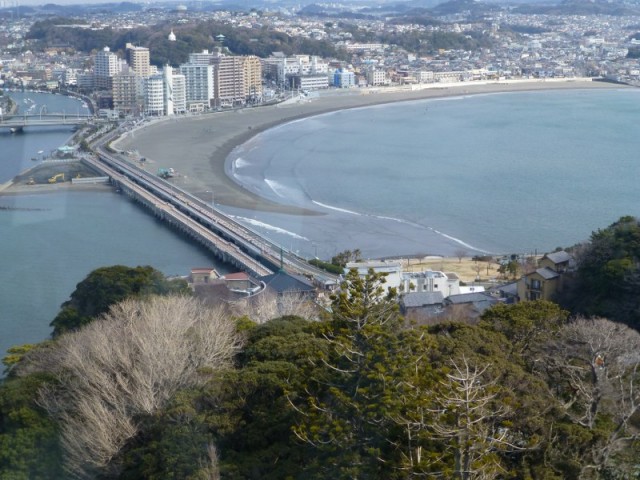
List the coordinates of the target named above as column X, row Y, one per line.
column 191, row 66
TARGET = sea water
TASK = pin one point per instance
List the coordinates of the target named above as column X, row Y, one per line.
column 499, row 173
column 50, row 242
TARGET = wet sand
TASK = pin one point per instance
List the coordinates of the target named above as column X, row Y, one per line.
column 197, row 146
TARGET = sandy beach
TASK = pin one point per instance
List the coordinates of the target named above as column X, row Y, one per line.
column 197, row 146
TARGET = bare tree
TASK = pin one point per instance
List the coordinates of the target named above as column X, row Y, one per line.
column 460, row 253
column 129, row 363
column 471, row 420
column 267, row 306
column 594, row 367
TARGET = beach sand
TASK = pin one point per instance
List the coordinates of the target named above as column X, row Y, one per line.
column 197, row 146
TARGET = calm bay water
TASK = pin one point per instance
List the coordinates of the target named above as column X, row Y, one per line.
column 502, row 173
column 50, row 242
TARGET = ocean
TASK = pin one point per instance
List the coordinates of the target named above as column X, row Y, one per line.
column 50, row 242
column 497, row 173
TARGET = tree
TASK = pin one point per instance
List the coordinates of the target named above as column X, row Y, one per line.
column 266, row 306
column 127, row 365
column 608, row 274
column 341, row 259
column 525, row 324
column 107, row 286
column 471, row 422
column 29, row 444
column 344, row 411
column 593, row 369
column 460, row 253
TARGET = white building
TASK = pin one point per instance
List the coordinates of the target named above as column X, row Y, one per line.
column 431, row 281
column 179, row 93
column 283, row 67
column 203, row 58
column 199, row 85
column 106, row 66
column 154, row 97
column 376, row 77
column 309, row 82
column 69, row 76
column 392, row 269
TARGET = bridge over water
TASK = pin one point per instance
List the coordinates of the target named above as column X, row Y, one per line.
column 228, row 239
column 19, row 122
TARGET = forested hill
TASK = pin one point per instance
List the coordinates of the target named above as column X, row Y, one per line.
column 189, row 38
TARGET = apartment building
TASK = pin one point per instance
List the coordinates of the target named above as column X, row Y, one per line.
column 106, row 66
column 199, row 83
column 127, row 93
column 138, row 60
column 237, row 80
column 154, row 97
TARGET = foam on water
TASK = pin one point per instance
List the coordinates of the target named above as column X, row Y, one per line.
column 273, row 228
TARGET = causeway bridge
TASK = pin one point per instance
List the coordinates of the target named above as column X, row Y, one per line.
column 228, row 239
column 19, row 122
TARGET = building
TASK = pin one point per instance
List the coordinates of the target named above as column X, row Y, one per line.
column 154, row 97
column 422, row 305
column 199, row 83
column 280, row 67
column 127, row 92
column 106, row 66
column 551, row 277
column 468, row 306
column 179, row 93
column 138, row 60
column 308, row 82
column 376, row 77
column 237, row 80
column 167, row 90
column 391, row 269
column 282, row 283
column 430, row 281
column 344, row 79
column 203, row 58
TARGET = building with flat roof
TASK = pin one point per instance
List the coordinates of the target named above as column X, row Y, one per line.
column 199, row 83
column 237, row 80
column 138, row 60
column 106, row 66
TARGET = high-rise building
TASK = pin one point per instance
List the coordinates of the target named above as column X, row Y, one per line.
column 179, row 93
column 138, row 59
column 237, row 80
column 154, row 95
column 127, row 93
column 198, row 83
column 106, row 65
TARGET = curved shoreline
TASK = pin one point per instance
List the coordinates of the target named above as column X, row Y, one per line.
column 198, row 147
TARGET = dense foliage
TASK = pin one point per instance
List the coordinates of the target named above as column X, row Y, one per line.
column 189, row 38
column 527, row 393
column 608, row 274
column 107, row 286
